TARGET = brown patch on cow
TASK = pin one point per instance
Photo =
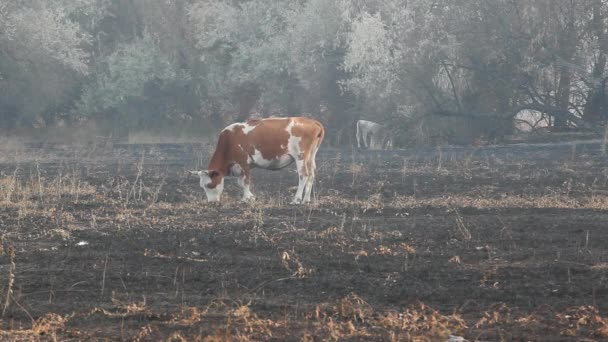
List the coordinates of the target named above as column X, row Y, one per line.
column 272, row 145
column 216, row 178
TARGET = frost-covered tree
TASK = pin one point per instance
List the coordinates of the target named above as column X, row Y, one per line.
column 133, row 74
column 43, row 52
column 405, row 61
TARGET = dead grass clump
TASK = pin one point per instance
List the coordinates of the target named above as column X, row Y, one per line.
column 349, row 308
column 49, row 324
column 176, row 336
column 395, row 250
column 188, row 315
column 252, row 324
column 232, row 321
column 409, row 249
column 583, row 321
column 500, row 315
column 373, row 202
column 219, row 335
column 11, row 279
column 489, row 278
column 355, row 308
column 353, row 317
column 292, row 264
column 144, row 333
column 343, row 320
column 60, row 233
column 455, row 259
column 420, row 320
column 48, row 327
column 124, row 308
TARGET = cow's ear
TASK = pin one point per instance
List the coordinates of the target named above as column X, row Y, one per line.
column 213, row 173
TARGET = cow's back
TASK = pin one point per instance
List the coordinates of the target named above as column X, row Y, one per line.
column 271, row 137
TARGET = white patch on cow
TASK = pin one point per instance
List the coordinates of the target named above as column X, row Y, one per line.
column 244, row 126
column 257, row 159
column 293, row 145
column 248, row 128
column 276, row 163
column 283, row 147
column 232, row 126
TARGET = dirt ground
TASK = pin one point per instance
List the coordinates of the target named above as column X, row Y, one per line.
column 117, row 242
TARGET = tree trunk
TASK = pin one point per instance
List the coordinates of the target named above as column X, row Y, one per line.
column 596, row 103
column 562, row 99
column 566, row 47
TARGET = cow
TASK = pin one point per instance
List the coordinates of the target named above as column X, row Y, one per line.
column 270, row 143
column 378, row 135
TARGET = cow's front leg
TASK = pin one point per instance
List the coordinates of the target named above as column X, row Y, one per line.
column 244, row 182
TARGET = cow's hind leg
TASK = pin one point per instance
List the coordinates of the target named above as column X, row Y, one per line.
column 302, row 180
column 309, row 182
column 312, row 168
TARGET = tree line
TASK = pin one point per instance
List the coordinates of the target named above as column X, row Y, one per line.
column 417, row 65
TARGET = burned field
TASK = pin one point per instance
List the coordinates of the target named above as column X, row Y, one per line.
column 117, row 242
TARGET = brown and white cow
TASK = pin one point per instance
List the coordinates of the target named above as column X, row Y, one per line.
column 271, row 143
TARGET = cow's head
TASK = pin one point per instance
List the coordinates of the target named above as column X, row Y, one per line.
column 212, row 182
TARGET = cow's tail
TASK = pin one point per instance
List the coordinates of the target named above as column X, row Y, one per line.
column 319, row 140
column 320, row 137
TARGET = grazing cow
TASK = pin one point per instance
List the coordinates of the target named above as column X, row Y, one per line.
column 271, row 143
column 378, row 135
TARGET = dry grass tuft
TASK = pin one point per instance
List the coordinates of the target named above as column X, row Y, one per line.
column 420, row 320
column 455, row 260
column 292, row 264
column 353, row 317
column 49, row 324
column 124, row 309
column 144, row 333
column 583, row 321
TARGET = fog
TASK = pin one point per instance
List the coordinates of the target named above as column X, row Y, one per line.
column 434, row 71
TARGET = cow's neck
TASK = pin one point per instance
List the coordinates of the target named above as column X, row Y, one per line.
column 220, row 160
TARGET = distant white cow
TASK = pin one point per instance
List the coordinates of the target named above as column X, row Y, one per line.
column 378, row 135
